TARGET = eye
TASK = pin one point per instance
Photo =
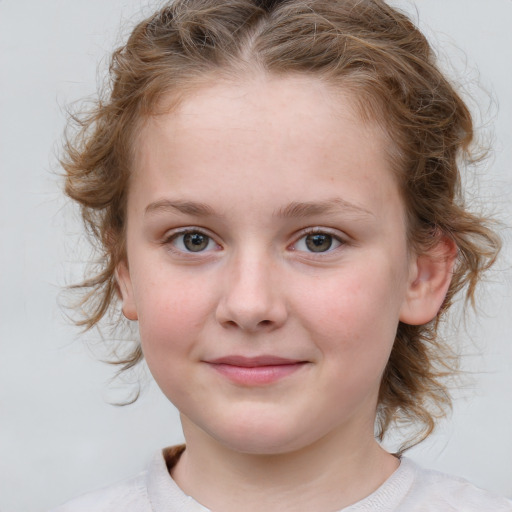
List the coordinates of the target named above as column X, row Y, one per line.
column 192, row 241
column 317, row 242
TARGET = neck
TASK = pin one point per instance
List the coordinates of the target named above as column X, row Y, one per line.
column 328, row 475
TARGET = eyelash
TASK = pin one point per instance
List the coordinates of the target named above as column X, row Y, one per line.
column 173, row 238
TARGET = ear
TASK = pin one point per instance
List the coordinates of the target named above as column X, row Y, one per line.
column 124, row 283
column 430, row 277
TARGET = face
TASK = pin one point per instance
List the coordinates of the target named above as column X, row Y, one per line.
column 267, row 262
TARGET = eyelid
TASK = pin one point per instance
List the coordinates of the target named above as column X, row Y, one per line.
column 173, row 233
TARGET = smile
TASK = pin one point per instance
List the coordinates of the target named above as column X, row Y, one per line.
column 255, row 371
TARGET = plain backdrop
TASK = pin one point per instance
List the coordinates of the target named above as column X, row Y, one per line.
column 58, row 434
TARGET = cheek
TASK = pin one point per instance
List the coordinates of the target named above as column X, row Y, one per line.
column 355, row 313
column 171, row 312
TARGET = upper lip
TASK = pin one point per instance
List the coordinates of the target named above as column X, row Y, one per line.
column 252, row 362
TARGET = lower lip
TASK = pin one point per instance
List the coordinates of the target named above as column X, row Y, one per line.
column 257, row 375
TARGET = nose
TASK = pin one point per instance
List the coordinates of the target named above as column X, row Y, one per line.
column 252, row 300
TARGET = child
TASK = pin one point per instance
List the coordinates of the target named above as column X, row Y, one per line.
column 276, row 188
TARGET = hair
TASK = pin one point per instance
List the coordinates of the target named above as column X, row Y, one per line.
column 362, row 46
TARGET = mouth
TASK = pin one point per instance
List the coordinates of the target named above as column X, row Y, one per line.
column 255, row 371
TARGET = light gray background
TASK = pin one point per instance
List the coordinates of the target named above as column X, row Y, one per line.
column 58, row 435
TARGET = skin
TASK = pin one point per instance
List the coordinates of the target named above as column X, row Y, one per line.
column 252, row 172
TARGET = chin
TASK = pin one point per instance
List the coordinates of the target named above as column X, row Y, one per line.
column 263, row 438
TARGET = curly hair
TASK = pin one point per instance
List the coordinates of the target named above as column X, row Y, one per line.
column 364, row 46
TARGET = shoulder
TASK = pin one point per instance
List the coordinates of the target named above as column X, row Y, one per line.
column 129, row 495
column 435, row 491
column 153, row 490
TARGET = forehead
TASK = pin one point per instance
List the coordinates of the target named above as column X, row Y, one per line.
column 290, row 130
column 300, row 110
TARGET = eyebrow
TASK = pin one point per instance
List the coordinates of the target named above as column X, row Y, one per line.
column 292, row 210
column 306, row 209
column 186, row 207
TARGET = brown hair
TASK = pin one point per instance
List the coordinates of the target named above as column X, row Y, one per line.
column 361, row 45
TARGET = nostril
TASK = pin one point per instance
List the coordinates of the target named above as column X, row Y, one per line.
column 263, row 324
column 251, row 313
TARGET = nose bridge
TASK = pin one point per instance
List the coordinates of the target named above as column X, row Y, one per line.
column 252, row 298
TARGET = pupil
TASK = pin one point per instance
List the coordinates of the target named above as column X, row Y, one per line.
column 319, row 242
column 195, row 242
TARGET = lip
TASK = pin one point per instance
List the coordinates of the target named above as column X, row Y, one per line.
column 255, row 371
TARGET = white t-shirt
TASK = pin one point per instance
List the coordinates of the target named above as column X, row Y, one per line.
column 409, row 489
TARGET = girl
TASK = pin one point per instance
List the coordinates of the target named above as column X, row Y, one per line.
column 276, row 188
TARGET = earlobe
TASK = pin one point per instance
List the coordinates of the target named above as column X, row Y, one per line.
column 124, row 284
column 431, row 274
